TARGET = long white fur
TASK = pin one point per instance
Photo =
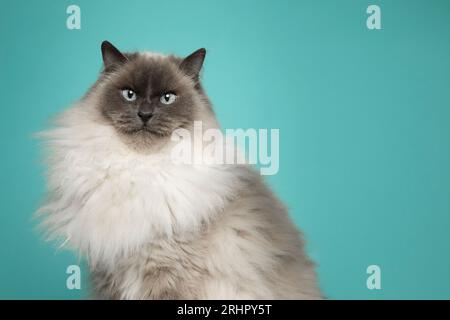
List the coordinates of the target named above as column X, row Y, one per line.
column 95, row 178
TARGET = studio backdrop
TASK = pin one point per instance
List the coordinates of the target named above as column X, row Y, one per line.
column 357, row 91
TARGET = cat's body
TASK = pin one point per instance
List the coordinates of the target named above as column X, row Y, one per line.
column 155, row 229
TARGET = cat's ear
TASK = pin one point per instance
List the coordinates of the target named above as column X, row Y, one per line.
column 192, row 64
column 111, row 56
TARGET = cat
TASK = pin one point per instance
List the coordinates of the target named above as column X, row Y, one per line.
column 150, row 228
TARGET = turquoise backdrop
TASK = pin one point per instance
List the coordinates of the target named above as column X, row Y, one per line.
column 364, row 119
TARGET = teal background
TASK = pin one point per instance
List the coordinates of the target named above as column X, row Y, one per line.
column 364, row 119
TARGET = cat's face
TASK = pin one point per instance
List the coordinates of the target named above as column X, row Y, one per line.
column 146, row 95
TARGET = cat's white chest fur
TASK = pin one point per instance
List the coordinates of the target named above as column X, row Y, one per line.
column 108, row 200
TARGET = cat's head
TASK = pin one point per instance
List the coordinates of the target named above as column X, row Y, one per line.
column 148, row 96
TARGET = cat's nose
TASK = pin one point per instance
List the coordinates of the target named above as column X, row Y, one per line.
column 145, row 115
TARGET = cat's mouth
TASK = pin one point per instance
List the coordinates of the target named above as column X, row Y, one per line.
column 148, row 129
column 153, row 128
column 145, row 129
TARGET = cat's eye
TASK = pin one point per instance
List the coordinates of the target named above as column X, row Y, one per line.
column 129, row 94
column 168, row 98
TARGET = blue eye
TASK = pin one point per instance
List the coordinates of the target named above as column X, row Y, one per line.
column 168, row 98
column 129, row 94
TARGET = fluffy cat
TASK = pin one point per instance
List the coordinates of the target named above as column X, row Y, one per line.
column 151, row 228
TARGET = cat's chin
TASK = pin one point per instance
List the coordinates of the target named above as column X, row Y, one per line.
column 143, row 139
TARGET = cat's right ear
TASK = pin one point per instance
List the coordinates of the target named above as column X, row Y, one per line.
column 112, row 57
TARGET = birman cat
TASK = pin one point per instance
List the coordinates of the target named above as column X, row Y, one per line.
column 151, row 228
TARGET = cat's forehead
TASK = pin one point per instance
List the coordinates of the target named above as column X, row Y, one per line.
column 152, row 55
column 150, row 70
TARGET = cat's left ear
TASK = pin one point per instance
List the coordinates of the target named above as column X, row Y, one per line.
column 193, row 63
